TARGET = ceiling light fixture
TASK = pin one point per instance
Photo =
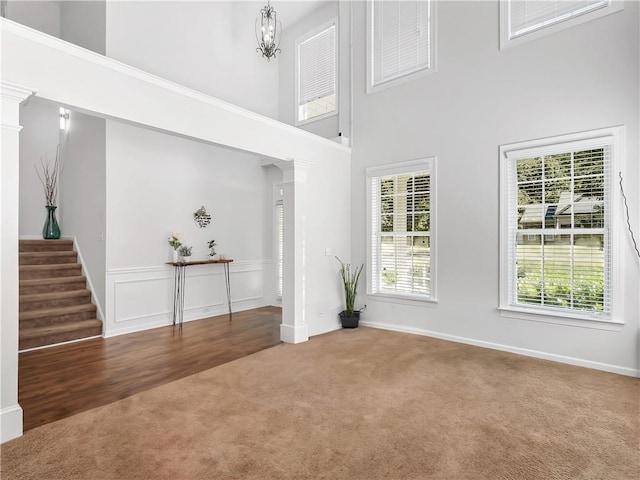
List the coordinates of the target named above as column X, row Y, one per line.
column 268, row 32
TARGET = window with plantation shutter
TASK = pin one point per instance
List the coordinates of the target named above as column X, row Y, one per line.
column 556, row 225
column 401, row 205
column 279, row 246
column 400, row 40
column 525, row 19
column 317, row 74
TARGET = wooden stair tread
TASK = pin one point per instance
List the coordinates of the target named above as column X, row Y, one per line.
column 34, row 282
column 34, row 297
column 52, row 334
column 87, row 307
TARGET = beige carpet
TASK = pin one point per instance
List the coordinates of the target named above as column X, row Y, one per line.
column 356, row 404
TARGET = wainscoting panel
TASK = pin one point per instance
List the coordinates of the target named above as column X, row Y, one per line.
column 142, row 298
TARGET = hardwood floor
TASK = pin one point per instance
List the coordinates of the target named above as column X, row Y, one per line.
column 61, row 381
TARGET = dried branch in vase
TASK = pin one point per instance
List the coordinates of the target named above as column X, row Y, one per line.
column 49, row 178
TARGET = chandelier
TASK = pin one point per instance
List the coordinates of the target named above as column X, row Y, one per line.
column 268, row 32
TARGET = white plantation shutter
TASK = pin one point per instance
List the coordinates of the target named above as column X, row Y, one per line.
column 526, row 16
column 401, row 38
column 317, row 66
column 401, row 247
column 280, row 240
column 559, row 246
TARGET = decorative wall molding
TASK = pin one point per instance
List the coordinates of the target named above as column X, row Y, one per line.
column 140, row 298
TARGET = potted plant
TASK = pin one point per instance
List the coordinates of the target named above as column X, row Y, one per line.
column 350, row 317
column 185, row 253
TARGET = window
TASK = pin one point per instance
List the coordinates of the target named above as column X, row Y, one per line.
column 401, row 241
column 400, row 41
column 556, row 226
column 316, row 74
column 279, row 240
column 522, row 20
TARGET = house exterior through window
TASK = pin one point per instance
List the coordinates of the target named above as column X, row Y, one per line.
column 556, row 225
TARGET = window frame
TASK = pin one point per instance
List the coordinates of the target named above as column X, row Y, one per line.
column 333, row 23
column 278, row 239
column 507, row 40
column 412, row 166
column 430, row 69
column 549, row 146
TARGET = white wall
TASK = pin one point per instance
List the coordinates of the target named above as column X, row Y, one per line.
column 328, row 223
column 38, row 140
column 579, row 79
column 155, row 182
column 83, row 195
column 207, row 46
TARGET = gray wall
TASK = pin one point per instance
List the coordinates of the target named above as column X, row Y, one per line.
column 480, row 97
column 83, row 193
column 40, row 15
column 84, row 23
column 39, row 139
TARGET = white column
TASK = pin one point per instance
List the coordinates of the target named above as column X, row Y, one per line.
column 294, row 322
column 10, row 411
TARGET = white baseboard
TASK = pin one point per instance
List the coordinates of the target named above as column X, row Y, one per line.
column 293, row 334
column 10, row 423
column 631, row 372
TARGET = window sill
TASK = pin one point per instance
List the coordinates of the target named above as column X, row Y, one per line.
column 332, row 113
column 402, row 299
column 558, row 318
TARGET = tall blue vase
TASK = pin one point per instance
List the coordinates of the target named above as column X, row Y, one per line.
column 51, row 230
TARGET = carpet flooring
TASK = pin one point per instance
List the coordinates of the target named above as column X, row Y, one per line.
column 353, row 404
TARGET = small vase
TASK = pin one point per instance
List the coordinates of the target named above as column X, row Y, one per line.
column 185, row 259
column 51, row 230
column 174, row 256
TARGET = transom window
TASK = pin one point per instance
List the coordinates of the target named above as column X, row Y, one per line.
column 400, row 41
column 401, row 253
column 522, row 20
column 557, row 226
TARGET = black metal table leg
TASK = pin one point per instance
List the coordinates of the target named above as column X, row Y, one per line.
column 228, row 283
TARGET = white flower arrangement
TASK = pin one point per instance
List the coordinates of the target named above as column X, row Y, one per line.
column 174, row 240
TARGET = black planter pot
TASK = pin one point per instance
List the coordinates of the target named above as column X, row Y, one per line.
column 350, row 321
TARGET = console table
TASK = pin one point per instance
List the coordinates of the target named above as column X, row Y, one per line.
column 179, row 276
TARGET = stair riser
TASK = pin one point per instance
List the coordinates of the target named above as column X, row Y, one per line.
column 53, row 303
column 58, row 287
column 45, row 246
column 26, row 259
column 70, row 271
column 57, row 319
column 59, row 338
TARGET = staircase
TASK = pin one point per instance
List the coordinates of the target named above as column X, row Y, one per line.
column 55, row 305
